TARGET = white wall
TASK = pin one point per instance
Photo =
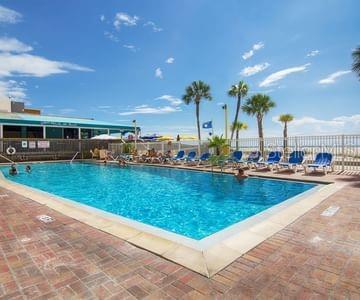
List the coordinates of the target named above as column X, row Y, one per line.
column 5, row 104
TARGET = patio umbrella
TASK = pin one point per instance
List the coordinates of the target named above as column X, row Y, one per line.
column 186, row 137
column 165, row 138
column 105, row 137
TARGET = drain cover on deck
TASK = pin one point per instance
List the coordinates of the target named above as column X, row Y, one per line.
column 45, row 218
column 330, row 211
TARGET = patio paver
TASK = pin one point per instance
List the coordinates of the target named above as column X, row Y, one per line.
column 314, row 257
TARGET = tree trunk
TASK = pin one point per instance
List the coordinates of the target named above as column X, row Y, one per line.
column 198, row 125
column 285, row 140
column 237, row 139
column 238, row 105
column 261, row 134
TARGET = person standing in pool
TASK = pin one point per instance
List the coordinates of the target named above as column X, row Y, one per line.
column 28, row 169
column 13, row 170
column 240, row 174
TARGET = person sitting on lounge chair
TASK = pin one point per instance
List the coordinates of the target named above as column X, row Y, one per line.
column 95, row 153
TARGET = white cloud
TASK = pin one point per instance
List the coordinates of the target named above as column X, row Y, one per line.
column 170, row 60
column 102, row 18
column 249, row 71
column 145, row 109
column 130, row 47
column 13, row 89
column 8, row 15
column 172, row 99
column 254, row 48
column 13, row 45
column 122, row 18
column 313, row 53
column 158, row 73
column 66, row 110
column 310, row 125
column 111, row 36
column 154, row 27
column 332, row 77
column 273, row 78
column 355, row 119
column 32, row 65
column 261, row 91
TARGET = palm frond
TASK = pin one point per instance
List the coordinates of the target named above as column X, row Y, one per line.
column 286, row 118
column 356, row 61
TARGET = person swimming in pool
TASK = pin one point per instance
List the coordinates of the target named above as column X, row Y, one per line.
column 240, row 174
column 28, row 169
column 13, row 170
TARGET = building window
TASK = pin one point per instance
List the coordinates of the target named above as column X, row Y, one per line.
column 89, row 133
column 34, row 132
column 71, row 133
column 54, row 133
column 23, row 132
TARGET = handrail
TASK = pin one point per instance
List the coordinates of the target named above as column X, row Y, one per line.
column 74, row 157
column 8, row 159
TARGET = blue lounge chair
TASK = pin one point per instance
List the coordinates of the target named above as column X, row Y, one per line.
column 179, row 157
column 191, row 157
column 235, row 158
column 273, row 159
column 296, row 159
column 204, row 158
column 253, row 158
column 322, row 160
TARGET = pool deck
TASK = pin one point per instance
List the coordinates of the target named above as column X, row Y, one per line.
column 312, row 256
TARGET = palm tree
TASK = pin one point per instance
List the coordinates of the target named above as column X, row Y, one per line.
column 194, row 93
column 237, row 127
column 285, row 119
column 259, row 105
column 239, row 91
column 356, row 63
column 219, row 143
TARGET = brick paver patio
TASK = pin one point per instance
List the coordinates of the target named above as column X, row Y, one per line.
column 315, row 257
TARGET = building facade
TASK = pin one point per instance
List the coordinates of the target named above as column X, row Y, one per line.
column 18, row 122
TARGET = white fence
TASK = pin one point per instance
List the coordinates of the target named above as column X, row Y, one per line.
column 345, row 148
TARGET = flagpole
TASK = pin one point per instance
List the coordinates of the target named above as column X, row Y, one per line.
column 226, row 120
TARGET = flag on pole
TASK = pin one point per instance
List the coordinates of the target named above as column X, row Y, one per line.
column 207, row 125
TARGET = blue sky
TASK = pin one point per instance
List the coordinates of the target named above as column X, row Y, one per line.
column 124, row 60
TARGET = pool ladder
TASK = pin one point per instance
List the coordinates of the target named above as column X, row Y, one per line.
column 8, row 159
column 74, row 157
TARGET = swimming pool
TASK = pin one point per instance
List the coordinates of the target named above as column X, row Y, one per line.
column 192, row 204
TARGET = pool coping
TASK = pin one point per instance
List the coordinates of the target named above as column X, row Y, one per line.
column 207, row 256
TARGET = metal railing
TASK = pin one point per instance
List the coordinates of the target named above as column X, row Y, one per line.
column 51, row 149
column 345, row 148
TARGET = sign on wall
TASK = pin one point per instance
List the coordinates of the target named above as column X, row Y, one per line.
column 24, row 144
column 43, row 144
column 32, row 144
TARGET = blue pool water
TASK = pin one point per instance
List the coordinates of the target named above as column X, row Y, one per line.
column 193, row 204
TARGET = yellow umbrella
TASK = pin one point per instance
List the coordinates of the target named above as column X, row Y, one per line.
column 186, row 137
column 165, row 138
